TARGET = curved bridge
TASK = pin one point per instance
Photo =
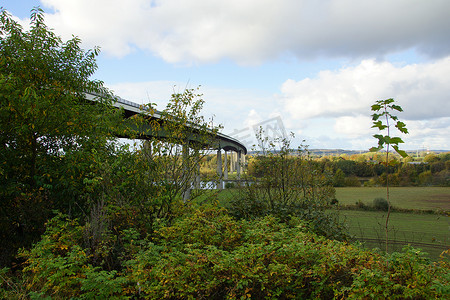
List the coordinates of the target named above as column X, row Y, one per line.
column 219, row 142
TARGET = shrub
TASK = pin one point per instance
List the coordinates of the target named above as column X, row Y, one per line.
column 361, row 205
column 208, row 254
column 289, row 184
column 425, row 178
column 380, row 204
column 275, row 260
column 352, row 181
column 405, row 275
column 59, row 265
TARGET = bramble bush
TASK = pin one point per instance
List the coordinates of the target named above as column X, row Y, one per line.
column 206, row 253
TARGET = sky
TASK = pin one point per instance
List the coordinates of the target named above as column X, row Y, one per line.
column 311, row 67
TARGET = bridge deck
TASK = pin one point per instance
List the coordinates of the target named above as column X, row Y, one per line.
column 221, row 141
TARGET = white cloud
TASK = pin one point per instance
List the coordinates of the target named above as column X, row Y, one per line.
column 343, row 98
column 353, row 127
column 421, row 89
column 433, row 134
column 253, row 118
column 253, row 31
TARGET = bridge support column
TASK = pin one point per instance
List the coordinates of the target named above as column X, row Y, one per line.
column 232, row 162
column 197, row 175
column 186, row 176
column 238, row 167
column 225, row 166
column 219, row 170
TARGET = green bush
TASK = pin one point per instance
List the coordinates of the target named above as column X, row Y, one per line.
column 380, row 204
column 60, row 265
column 208, row 254
column 352, row 181
column 361, row 205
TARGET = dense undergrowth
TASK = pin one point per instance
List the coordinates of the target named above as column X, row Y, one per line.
column 208, row 254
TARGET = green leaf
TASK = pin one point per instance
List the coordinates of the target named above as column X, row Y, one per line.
column 397, row 107
column 375, row 149
column 375, row 117
column 396, row 140
column 379, row 125
column 376, row 107
column 400, row 152
column 401, row 127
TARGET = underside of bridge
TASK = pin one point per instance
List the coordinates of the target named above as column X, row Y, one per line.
column 155, row 128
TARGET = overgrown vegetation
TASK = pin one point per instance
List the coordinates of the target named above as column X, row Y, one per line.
column 284, row 183
column 114, row 222
column 51, row 139
column 206, row 253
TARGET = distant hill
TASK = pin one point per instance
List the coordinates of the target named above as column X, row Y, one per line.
column 324, row 152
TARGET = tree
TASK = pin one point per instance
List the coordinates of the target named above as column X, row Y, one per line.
column 49, row 133
column 382, row 110
column 287, row 183
column 181, row 138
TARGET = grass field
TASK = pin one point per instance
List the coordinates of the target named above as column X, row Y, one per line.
column 427, row 231
column 431, row 232
column 423, row 198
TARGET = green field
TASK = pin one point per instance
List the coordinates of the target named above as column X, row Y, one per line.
column 431, row 232
column 427, row 231
column 423, row 198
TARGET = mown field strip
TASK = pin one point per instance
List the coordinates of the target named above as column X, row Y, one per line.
column 434, row 198
column 429, row 232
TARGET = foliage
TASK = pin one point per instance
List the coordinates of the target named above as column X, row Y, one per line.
column 339, row 178
column 286, row 183
column 49, row 133
column 181, row 139
column 380, row 204
column 352, row 181
column 410, row 275
column 60, row 265
column 367, row 167
column 382, row 109
column 128, row 229
column 207, row 254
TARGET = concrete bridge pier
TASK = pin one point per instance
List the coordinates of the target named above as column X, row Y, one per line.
column 186, row 176
column 225, row 166
column 197, row 179
column 232, row 162
column 238, row 166
column 219, row 169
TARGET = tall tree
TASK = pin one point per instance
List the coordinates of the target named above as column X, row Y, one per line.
column 48, row 131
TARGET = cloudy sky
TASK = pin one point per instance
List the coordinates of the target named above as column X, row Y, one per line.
column 313, row 66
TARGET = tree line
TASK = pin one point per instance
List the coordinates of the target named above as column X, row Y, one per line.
column 368, row 169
